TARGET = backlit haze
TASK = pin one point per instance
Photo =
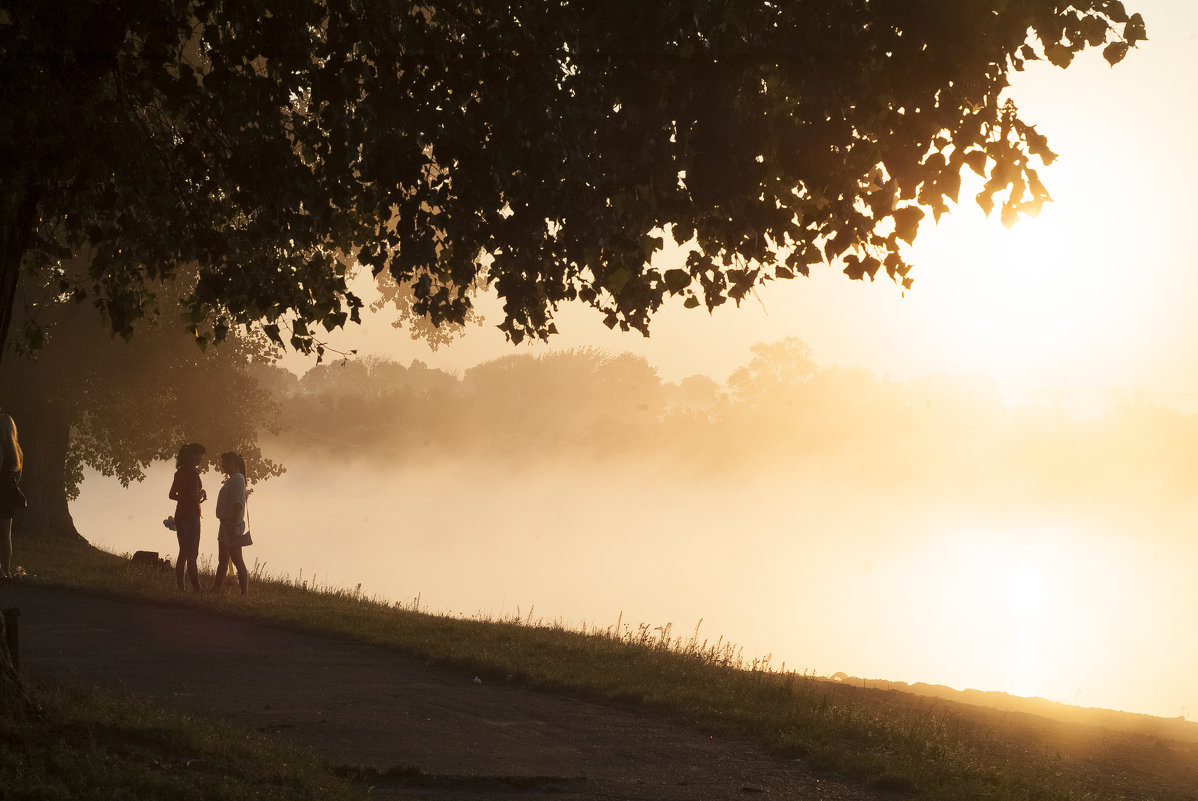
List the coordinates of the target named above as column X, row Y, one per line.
column 1040, row 539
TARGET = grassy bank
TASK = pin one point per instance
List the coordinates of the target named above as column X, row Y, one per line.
column 922, row 747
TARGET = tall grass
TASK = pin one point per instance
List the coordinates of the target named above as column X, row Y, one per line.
column 898, row 741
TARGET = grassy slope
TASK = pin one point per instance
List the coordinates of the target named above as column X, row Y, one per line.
column 930, row 747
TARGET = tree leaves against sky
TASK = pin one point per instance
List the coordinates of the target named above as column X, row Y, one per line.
column 543, row 150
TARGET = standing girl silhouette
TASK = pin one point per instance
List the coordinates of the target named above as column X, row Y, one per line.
column 230, row 510
column 188, row 493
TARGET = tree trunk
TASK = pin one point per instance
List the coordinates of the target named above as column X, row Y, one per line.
column 45, row 438
column 15, row 229
column 10, row 270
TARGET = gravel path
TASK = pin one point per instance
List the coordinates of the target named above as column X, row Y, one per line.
column 440, row 734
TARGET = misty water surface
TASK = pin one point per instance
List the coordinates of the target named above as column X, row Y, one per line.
column 1086, row 603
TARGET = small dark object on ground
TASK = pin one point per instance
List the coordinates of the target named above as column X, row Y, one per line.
column 150, row 559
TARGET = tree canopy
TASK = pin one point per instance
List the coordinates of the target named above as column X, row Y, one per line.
column 544, row 150
column 86, row 399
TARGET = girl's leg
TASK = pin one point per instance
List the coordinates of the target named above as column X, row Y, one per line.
column 222, row 566
column 193, row 567
column 243, row 576
column 191, row 559
column 181, row 562
column 189, row 550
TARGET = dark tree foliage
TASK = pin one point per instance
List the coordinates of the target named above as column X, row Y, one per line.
column 544, row 149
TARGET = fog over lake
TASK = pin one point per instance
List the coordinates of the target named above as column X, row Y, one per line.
column 1019, row 552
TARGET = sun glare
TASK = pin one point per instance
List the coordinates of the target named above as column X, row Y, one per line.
column 1027, row 298
column 1027, row 590
column 1009, row 600
column 1029, row 304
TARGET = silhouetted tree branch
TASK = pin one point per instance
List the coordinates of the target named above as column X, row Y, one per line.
column 542, row 150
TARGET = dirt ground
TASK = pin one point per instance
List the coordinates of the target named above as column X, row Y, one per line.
column 419, row 731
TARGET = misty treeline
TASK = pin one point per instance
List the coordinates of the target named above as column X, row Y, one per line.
column 781, row 417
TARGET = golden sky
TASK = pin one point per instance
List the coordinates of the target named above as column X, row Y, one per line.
column 1094, row 295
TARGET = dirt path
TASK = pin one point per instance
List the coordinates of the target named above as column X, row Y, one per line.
column 358, row 705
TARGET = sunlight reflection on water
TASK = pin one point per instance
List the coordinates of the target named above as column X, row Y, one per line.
column 820, row 583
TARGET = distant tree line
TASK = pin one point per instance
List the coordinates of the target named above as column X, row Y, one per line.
column 781, row 414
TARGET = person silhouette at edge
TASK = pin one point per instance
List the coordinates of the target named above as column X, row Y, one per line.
column 10, row 479
column 187, row 490
column 230, row 510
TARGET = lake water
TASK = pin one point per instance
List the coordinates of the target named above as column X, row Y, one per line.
column 1068, row 604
